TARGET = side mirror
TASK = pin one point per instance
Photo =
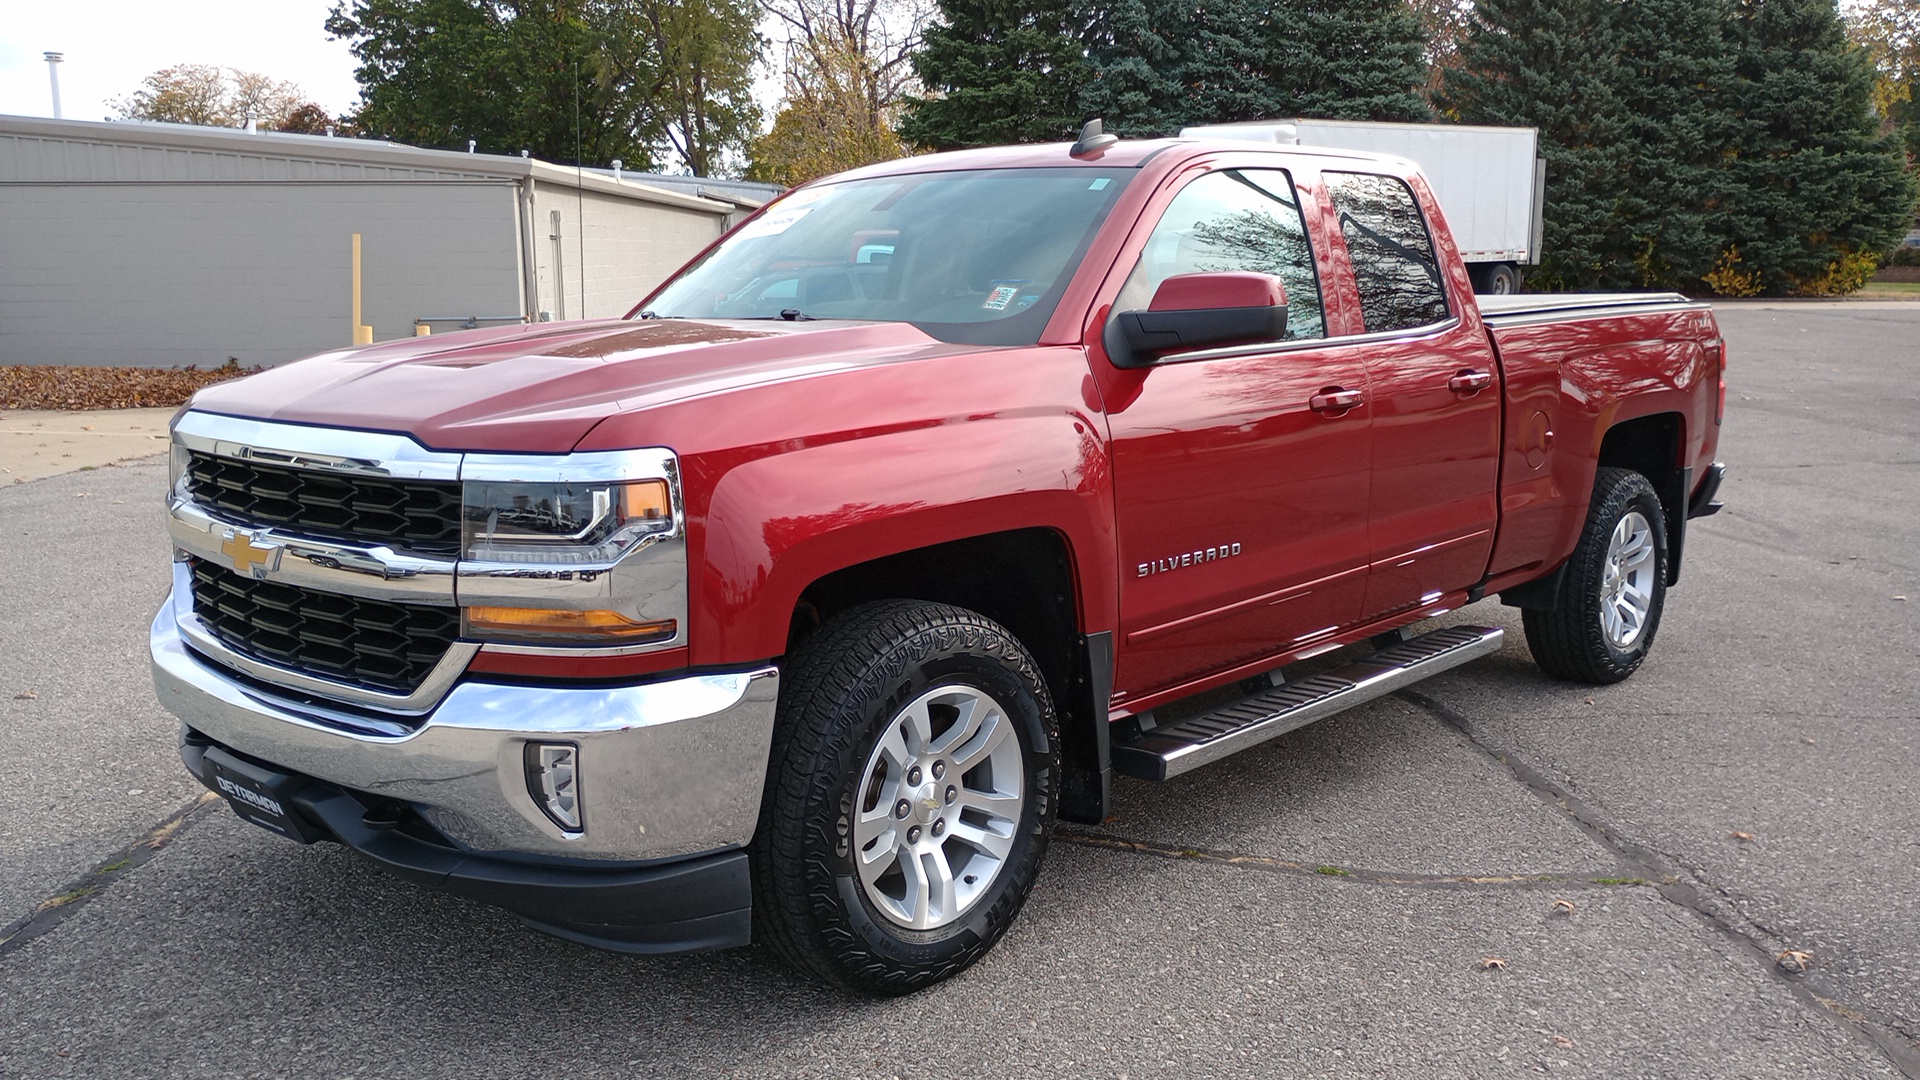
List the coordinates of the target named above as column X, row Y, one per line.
column 1195, row 311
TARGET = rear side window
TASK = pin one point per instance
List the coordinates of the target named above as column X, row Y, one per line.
column 1393, row 260
column 1246, row 220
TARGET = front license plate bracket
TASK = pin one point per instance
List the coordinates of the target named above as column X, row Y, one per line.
column 260, row 795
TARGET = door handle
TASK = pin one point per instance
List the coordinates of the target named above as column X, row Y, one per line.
column 1470, row 381
column 1335, row 399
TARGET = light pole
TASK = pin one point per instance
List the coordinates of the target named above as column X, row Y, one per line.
column 53, row 76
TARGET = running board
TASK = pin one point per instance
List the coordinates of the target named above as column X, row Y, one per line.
column 1165, row 752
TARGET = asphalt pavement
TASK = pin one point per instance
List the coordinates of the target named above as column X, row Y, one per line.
column 1380, row 894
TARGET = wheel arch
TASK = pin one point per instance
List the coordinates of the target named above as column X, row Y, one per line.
column 1654, row 446
column 1026, row 580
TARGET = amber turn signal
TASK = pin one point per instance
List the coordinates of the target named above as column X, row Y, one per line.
column 552, row 622
column 648, row 500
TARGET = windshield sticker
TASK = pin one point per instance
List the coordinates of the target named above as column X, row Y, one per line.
column 773, row 223
column 1100, row 184
column 1001, row 294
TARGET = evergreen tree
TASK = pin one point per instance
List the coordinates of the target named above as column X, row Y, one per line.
column 1671, row 62
column 1366, row 59
column 1009, row 71
column 1724, row 143
column 1161, row 65
column 1542, row 63
column 1134, row 85
column 1816, row 192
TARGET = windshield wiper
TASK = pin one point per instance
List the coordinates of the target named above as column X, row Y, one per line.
column 794, row 314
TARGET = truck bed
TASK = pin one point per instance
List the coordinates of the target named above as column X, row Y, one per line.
column 1500, row 312
column 1577, row 366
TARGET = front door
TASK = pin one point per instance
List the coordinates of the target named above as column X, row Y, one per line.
column 1242, row 510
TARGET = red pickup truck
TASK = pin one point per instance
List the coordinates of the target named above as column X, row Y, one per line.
column 801, row 602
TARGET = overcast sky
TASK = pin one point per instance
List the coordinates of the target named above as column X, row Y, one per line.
column 111, row 45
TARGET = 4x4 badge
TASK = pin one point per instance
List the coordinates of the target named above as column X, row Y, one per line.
column 254, row 560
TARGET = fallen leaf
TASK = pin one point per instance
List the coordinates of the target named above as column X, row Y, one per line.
column 1563, row 907
column 1564, row 1043
column 45, row 387
column 1794, row 960
column 1808, row 739
column 1589, row 701
column 1492, row 963
column 86, row 427
column 1743, row 837
column 24, row 695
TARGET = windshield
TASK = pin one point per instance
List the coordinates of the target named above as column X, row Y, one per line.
column 978, row 256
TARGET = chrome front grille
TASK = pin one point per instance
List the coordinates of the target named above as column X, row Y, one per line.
column 421, row 516
column 372, row 644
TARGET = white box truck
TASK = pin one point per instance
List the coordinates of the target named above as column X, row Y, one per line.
column 1490, row 181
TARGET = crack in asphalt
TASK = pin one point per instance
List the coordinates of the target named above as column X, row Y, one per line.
column 59, row 907
column 1081, row 838
column 1689, row 891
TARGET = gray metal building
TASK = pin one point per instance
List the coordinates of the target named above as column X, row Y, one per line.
column 163, row 245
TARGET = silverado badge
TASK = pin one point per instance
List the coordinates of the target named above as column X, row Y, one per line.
column 253, row 559
column 1187, row 558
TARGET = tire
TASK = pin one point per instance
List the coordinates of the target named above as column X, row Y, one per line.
column 1500, row 279
column 912, row 705
column 1597, row 631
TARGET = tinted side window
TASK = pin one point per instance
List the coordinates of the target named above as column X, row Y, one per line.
column 1245, row 220
column 1393, row 260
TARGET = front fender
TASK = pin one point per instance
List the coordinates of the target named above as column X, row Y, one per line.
column 775, row 524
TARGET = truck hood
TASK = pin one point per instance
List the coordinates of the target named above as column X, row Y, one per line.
column 539, row 389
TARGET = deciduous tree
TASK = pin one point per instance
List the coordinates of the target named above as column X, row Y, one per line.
column 1890, row 32
column 849, row 73
column 829, row 122
column 218, row 97
column 643, row 81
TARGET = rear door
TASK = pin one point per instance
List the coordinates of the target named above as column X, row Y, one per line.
column 1241, row 509
column 1435, row 396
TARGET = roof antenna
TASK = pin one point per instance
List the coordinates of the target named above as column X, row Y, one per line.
column 1093, row 140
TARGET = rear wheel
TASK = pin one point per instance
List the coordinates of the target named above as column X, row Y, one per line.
column 1608, row 608
column 910, row 796
column 1498, row 279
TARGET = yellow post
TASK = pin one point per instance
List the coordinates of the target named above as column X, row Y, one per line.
column 362, row 334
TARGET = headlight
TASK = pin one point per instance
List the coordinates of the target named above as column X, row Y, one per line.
column 562, row 524
column 572, row 553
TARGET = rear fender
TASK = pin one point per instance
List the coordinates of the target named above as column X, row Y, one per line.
column 1616, row 371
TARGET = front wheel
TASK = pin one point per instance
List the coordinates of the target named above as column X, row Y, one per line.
column 1608, row 608
column 910, row 796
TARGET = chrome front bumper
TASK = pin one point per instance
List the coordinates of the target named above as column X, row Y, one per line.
column 666, row 769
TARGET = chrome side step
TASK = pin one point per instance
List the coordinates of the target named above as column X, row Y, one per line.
column 1165, row 752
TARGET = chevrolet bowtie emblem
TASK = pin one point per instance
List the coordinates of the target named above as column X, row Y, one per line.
column 254, row 560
